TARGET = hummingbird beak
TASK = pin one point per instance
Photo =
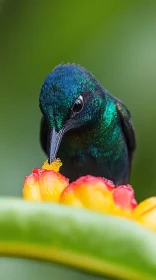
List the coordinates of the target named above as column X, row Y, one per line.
column 55, row 140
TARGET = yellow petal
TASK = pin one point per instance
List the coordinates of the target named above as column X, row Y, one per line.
column 118, row 211
column 51, row 185
column 145, row 213
column 31, row 189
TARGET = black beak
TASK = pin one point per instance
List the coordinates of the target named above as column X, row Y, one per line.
column 55, row 140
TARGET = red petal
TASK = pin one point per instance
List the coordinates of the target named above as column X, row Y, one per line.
column 124, row 197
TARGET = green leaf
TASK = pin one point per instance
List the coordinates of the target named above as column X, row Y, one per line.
column 96, row 243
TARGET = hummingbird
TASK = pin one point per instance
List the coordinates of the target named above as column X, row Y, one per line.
column 84, row 125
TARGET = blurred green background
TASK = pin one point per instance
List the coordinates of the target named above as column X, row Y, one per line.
column 115, row 40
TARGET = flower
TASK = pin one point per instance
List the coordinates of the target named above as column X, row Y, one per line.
column 44, row 185
column 100, row 194
column 90, row 192
column 94, row 193
column 145, row 213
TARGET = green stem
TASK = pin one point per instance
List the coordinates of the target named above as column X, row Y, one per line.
column 83, row 239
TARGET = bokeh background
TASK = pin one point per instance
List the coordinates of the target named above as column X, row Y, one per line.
column 115, row 40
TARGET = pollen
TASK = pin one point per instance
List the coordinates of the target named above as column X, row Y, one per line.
column 54, row 166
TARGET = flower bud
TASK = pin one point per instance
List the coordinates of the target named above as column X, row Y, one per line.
column 89, row 192
column 44, row 185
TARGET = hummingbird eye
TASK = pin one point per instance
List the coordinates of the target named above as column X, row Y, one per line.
column 78, row 105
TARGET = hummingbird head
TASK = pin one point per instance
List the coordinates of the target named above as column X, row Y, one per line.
column 70, row 98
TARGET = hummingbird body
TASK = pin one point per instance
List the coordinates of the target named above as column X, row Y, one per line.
column 85, row 126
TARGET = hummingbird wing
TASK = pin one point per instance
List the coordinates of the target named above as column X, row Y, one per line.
column 44, row 134
column 127, row 127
